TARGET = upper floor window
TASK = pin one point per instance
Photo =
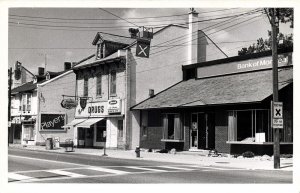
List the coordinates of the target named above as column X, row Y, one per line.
column 100, row 51
column 25, row 104
column 98, row 84
column 113, row 83
column 85, row 86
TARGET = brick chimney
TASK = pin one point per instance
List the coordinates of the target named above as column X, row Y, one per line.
column 41, row 71
column 67, row 65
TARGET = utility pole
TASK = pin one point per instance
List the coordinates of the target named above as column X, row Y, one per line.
column 9, row 102
column 275, row 28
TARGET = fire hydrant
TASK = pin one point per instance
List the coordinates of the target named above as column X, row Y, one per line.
column 137, row 151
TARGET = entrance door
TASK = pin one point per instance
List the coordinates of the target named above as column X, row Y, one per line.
column 81, row 136
column 89, row 136
column 202, row 131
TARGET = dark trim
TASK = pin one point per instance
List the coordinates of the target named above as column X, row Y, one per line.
column 235, row 59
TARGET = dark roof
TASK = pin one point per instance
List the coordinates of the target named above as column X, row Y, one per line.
column 25, row 87
column 230, row 89
column 54, row 74
column 113, row 38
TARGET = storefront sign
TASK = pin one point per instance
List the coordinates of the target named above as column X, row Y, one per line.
column 243, row 66
column 68, row 103
column 52, row 121
column 97, row 109
column 114, row 106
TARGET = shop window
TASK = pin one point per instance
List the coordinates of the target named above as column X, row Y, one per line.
column 26, row 102
column 120, row 128
column 85, row 86
column 29, row 132
column 172, row 127
column 101, row 131
column 154, row 119
column 249, row 126
column 113, row 83
column 144, row 131
column 99, row 84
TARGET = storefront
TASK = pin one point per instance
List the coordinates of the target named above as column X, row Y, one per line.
column 98, row 124
column 223, row 105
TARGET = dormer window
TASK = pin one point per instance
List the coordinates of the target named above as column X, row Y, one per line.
column 100, row 51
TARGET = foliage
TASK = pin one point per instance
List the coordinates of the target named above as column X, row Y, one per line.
column 284, row 15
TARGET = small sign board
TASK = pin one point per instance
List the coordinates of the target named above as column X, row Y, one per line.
column 52, row 121
column 277, row 115
column 114, row 106
column 143, row 48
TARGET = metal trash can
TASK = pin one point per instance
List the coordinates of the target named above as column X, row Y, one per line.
column 69, row 145
column 49, row 143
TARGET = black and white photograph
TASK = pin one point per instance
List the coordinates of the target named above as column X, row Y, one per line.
column 151, row 95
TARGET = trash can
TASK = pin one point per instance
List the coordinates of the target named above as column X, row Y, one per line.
column 49, row 143
column 69, row 145
column 56, row 143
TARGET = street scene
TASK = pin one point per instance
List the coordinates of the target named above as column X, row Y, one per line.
column 150, row 95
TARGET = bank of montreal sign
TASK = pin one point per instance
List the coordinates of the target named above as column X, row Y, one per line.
column 243, row 66
column 99, row 109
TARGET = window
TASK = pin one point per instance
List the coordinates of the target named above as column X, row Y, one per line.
column 172, row 127
column 249, row 126
column 86, row 86
column 29, row 132
column 120, row 128
column 98, row 85
column 25, row 102
column 100, row 49
column 101, row 131
column 113, row 85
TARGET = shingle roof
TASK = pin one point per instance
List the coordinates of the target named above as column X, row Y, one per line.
column 230, row 89
column 25, row 87
column 113, row 38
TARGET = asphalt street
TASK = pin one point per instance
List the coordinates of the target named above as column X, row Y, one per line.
column 44, row 167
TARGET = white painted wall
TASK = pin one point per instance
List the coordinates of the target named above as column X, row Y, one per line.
column 111, row 133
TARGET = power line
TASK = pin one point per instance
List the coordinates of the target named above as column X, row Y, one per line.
column 118, row 17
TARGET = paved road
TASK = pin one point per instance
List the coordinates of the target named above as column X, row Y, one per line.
column 43, row 167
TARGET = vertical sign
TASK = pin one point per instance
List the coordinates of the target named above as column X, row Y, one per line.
column 277, row 115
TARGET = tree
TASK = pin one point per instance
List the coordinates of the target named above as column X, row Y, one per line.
column 284, row 15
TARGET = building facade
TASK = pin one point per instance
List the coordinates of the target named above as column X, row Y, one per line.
column 36, row 110
column 222, row 104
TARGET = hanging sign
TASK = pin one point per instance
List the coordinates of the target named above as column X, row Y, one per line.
column 143, row 48
column 68, row 103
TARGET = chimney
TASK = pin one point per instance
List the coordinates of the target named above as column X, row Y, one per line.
column 67, row 66
column 41, row 71
column 151, row 93
column 197, row 39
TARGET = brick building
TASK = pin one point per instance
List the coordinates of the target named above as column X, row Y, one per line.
column 221, row 104
column 36, row 110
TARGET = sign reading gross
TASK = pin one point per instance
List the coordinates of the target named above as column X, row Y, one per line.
column 52, row 121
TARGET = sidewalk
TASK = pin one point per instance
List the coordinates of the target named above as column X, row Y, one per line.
column 180, row 157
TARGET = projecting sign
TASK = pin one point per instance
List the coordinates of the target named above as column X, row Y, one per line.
column 114, row 106
column 277, row 115
column 143, row 48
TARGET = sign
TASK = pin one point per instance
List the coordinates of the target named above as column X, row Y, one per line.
column 68, row 103
column 52, row 121
column 143, row 48
column 97, row 109
column 83, row 102
column 114, row 106
column 277, row 115
column 278, row 123
column 243, row 66
column 277, row 110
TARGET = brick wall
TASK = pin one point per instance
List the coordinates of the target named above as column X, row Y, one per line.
column 153, row 138
column 221, row 132
column 49, row 97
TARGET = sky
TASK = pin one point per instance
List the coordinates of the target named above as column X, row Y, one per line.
column 34, row 38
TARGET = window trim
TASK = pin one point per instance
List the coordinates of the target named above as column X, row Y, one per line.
column 111, row 83
column 24, row 102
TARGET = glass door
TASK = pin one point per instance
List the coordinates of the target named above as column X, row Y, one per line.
column 194, row 132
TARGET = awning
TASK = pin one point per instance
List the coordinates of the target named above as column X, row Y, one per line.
column 229, row 89
column 74, row 122
column 88, row 122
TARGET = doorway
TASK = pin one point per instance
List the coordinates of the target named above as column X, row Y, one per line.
column 85, row 137
column 202, row 135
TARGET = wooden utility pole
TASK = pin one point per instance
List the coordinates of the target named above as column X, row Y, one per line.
column 9, row 101
column 275, row 27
